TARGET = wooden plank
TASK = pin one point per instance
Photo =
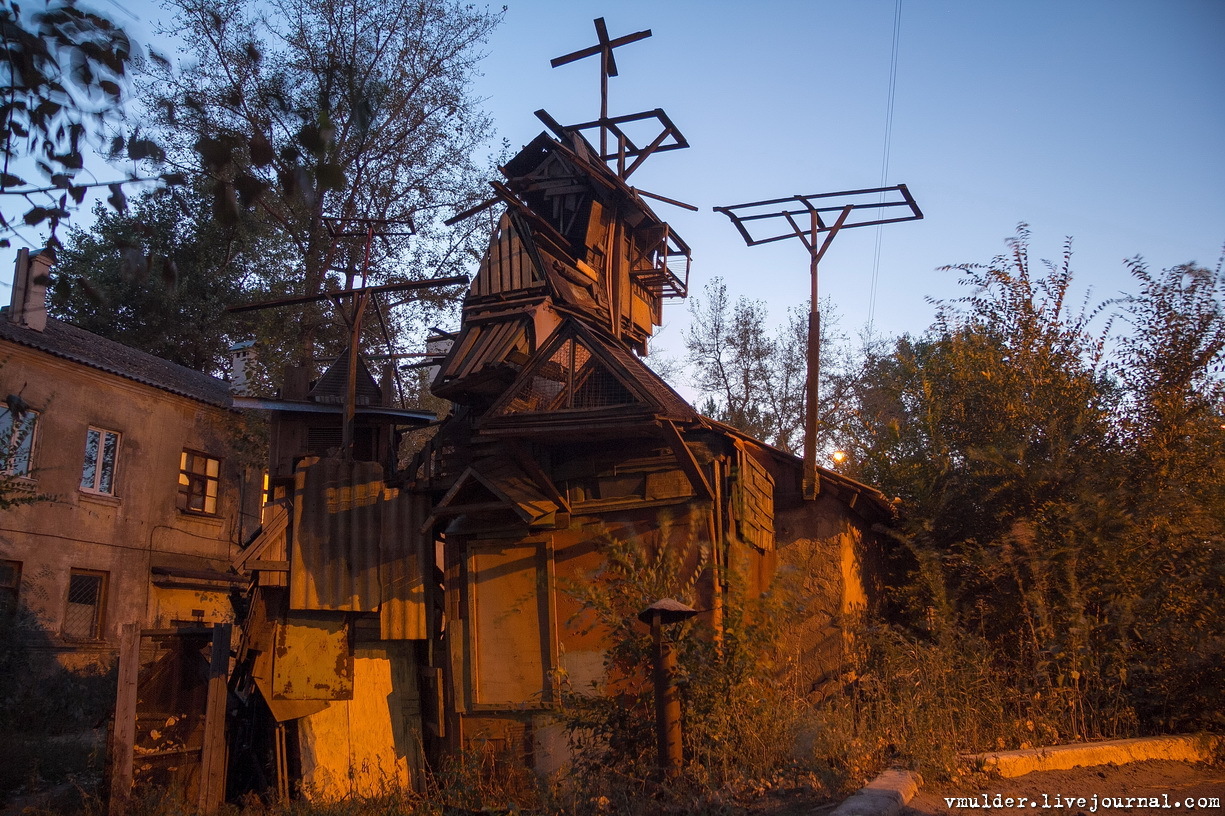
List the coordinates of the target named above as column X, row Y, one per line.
column 275, row 524
column 688, row 464
column 123, row 743
column 276, row 566
column 213, row 754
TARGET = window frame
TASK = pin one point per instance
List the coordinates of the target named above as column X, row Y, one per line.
column 99, row 462
column 16, row 449
column 485, row 668
column 97, row 624
column 190, row 483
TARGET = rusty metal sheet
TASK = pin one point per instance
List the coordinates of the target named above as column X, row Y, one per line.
column 313, row 659
column 334, row 563
column 402, row 613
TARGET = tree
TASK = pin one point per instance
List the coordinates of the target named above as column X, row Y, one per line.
column 754, row 379
column 65, row 70
column 159, row 276
column 1170, row 367
column 994, row 428
column 321, row 114
column 1063, row 506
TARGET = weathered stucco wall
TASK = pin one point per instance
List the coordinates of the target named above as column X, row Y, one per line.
column 821, row 550
column 123, row 535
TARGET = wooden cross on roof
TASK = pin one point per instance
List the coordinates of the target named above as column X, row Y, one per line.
column 608, row 68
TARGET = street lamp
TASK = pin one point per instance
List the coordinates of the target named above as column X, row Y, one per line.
column 667, row 702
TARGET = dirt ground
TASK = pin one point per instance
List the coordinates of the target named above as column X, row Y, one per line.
column 1171, row 784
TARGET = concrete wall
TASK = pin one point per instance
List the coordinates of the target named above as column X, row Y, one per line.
column 822, row 548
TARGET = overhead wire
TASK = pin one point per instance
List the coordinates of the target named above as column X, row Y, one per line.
column 884, row 161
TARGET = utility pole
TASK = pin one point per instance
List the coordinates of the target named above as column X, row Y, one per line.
column 805, row 217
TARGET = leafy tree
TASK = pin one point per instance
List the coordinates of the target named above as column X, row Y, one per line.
column 1063, row 505
column 320, row 114
column 159, row 276
column 1170, row 368
column 65, row 70
column 754, row 379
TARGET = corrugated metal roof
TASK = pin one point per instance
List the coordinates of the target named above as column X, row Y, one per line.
column 71, row 343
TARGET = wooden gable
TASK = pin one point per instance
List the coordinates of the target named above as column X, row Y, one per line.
column 508, row 265
column 570, row 373
column 497, row 484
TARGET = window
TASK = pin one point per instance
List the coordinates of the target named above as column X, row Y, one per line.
column 198, row 476
column 86, row 605
column 16, row 441
column 10, row 586
column 101, row 449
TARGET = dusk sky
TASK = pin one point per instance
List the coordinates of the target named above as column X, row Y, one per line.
column 1098, row 119
column 1102, row 121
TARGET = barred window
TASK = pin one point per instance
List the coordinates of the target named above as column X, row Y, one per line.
column 86, row 605
column 101, row 451
column 199, row 476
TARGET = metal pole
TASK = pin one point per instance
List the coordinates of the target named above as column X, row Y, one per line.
column 667, row 703
column 346, row 434
column 811, row 485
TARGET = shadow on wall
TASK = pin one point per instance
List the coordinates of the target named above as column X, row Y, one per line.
column 51, row 718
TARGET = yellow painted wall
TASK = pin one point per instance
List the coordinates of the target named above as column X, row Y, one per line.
column 371, row 744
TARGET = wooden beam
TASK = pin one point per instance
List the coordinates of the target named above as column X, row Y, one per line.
column 123, row 745
column 688, row 464
column 213, row 754
column 430, row 283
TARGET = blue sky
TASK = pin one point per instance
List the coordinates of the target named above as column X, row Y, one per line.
column 1101, row 120
column 1097, row 119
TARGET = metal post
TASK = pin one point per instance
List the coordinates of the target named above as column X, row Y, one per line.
column 811, row 485
column 667, row 702
column 759, row 223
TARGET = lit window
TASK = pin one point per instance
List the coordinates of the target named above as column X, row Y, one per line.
column 101, row 449
column 86, row 604
column 198, row 478
column 10, row 586
column 16, row 441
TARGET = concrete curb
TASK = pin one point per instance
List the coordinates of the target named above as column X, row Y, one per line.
column 885, row 795
column 889, row 793
column 1062, row 757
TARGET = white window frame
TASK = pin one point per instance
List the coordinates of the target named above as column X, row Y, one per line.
column 100, row 484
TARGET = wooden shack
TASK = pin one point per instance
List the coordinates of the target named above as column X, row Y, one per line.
column 401, row 615
column 563, row 444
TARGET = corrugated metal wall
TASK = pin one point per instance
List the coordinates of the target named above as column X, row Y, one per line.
column 357, row 546
column 404, row 565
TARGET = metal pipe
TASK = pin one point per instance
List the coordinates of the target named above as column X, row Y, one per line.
column 667, row 702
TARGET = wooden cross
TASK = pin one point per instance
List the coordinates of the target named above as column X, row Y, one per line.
column 608, row 66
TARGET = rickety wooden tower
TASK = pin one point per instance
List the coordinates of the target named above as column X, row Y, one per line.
column 807, row 217
column 563, row 444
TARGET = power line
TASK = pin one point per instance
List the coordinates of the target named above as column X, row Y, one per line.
column 884, row 160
